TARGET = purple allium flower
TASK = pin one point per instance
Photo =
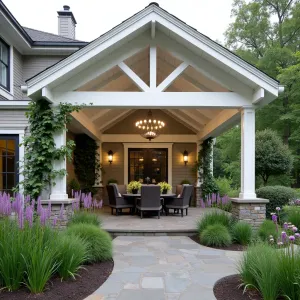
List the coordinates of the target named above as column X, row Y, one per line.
column 283, row 236
column 295, row 229
column 278, row 208
column 292, row 238
column 274, row 218
column 297, row 235
column 285, row 225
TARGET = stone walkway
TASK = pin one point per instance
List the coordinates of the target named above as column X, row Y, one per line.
column 166, row 267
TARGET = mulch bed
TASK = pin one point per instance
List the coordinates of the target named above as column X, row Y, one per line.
column 227, row 288
column 232, row 247
column 89, row 280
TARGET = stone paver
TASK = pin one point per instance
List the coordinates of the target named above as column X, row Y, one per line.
column 165, row 267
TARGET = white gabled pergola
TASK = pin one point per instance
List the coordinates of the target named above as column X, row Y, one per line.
column 155, row 61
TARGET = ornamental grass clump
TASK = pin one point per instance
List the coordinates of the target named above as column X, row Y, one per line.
column 72, row 253
column 85, row 217
column 242, row 233
column 216, row 235
column 99, row 243
column 268, row 229
column 214, row 217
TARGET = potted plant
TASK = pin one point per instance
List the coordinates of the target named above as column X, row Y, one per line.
column 164, row 187
column 133, row 187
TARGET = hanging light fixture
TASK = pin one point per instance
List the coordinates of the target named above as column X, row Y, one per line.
column 150, row 127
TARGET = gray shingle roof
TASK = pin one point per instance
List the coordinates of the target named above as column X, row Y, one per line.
column 41, row 36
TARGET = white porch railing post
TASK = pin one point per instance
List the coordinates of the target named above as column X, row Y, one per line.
column 248, row 154
column 59, row 190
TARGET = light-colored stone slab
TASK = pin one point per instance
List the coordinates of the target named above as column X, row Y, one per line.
column 152, row 283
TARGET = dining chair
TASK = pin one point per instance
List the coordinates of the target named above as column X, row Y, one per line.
column 116, row 201
column 182, row 202
column 150, row 200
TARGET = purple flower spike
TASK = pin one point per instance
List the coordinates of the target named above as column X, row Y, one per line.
column 54, row 222
column 283, row 236
column 274, row 218
column 100, row 203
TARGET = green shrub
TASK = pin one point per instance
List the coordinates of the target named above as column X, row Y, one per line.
column 266, row 229
column 85, row 217
column 259, row 269
column 215, row 235
column 242, row 233
column 72, row 253
column 214, row 217
column 292, row 214
column 278, row 196
column 99, row 243
column 233, row 193
column 224, row 185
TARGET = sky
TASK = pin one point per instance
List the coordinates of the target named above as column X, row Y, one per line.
column 94, row 17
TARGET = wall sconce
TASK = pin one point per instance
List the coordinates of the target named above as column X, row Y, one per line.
column 110, row 156
column 185, row 157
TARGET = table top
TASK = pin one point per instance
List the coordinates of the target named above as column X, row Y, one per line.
column 161, row 195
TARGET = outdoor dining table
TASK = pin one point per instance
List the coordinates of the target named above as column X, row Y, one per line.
column 135, row 196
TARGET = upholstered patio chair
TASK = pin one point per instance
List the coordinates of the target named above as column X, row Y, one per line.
column 116, row 201
column 181, row 202
column 179, row 189
column 150, row 200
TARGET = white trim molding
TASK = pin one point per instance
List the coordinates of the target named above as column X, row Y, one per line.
column 144, row 145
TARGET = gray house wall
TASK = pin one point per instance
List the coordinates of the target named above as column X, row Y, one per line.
column 18, row 75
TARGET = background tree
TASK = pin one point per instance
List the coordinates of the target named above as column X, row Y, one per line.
column 266, row 33
column 272, row 157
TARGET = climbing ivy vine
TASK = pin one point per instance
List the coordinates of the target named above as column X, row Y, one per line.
column 208, row 185
column 87, row 162
column 40, row 150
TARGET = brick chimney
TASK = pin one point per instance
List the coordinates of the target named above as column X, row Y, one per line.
column 66, row 23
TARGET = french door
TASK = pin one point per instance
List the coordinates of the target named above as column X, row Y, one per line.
column 151, row 164
column 9, row 157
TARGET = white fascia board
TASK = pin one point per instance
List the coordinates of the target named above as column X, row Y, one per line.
column 90, row 51
column 154, row 99
column 14, row 104
column 218, row 52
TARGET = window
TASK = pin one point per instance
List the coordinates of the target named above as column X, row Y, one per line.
column 9, row 152
column 4, row 65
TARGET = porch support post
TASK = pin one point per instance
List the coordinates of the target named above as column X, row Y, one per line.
column 198, row 189
column 247, row 207
column 59, row 190
column 248, row 154
column 99, row 181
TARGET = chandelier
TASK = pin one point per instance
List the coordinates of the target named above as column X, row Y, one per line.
column 150, row 127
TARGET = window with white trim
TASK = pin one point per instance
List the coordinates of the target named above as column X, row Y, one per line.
column 4, row 65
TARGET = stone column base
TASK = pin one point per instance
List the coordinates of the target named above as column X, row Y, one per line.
column 55, row 211
column 198, row 196
column 250, row 211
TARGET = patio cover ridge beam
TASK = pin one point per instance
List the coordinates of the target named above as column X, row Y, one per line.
column 134, row 77
column 127, row 100
column 168, row 81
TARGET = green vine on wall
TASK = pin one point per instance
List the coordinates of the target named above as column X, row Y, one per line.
column 40, row 150
column 209, row 185
column 87, row 162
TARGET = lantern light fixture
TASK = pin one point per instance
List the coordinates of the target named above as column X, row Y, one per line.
column 185, row 157
column 110, row 156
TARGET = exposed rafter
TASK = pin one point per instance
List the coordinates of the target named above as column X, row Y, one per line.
column 100, row 114
column 114, row 120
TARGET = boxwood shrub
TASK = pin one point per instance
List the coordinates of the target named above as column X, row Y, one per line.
column 278, row 196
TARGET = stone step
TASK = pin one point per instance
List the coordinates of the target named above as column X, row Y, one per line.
column 178, row 232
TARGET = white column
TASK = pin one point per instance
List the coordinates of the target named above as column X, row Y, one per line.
column 21, row 160
column 98, row 182
column 248, row 154
column 59, row 190
column 199, row 179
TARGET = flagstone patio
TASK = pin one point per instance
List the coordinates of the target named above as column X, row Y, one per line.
column 172, row 224
column 165, row 267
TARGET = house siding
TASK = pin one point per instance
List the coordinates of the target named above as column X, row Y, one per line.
column 13, row 119
column 18, row 75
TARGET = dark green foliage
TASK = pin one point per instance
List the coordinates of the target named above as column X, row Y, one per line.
column 242, row 233
column 209, row 185
column 292, row 214
column 214, row 217
column 85, row 217
column 86, row 161
column 272, row 157
column 215, row 235
column 40, row 150
column 72, row 253
column 278, row 196
column 73, row 185
column 99, row 243
column 267, row 229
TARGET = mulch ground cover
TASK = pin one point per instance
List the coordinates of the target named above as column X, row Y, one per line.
column 232, row 247
column 228, row 288
column 89, row 280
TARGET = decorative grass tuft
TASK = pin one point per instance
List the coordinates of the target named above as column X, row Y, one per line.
column 215, row 235
column 85, row 217
column 242, row 233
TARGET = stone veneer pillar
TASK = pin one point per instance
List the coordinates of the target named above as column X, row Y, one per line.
column 198, row 196
column 252, row 212
column 56, row 209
